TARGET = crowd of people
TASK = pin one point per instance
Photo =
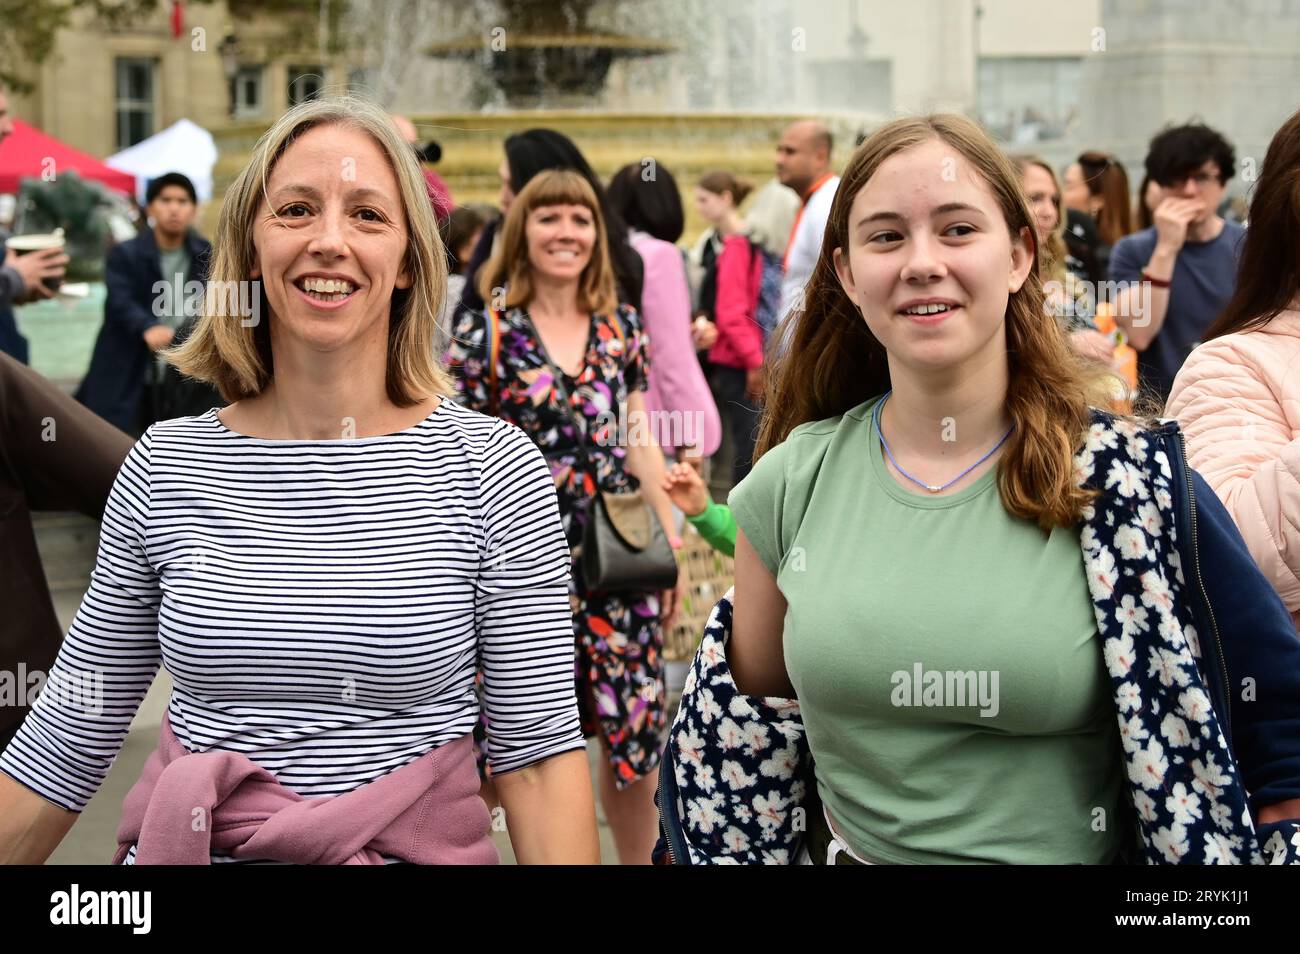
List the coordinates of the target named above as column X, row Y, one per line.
column 399, row 535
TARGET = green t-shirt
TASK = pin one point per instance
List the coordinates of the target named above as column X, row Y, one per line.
column 945, row 655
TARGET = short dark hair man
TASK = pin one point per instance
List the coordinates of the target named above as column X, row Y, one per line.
column 1181, row 272
column 124, row 383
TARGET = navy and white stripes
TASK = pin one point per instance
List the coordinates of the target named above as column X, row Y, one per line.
column 321, row 606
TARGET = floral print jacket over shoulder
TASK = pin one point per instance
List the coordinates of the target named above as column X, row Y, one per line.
column 1204, row 668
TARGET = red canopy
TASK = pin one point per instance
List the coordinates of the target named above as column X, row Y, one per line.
column 26, row 151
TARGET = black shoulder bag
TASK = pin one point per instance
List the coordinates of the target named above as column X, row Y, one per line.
column 624, row 547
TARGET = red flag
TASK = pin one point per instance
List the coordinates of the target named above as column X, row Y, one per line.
column 178, row 19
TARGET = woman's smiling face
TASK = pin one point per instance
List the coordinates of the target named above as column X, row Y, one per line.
column 330, row 239
column 930, row 261
column 560, row 240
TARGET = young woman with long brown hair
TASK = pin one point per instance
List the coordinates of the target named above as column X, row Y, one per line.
column 1097, row 184
column 935, row 495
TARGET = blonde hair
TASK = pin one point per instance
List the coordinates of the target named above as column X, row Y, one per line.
column 833, row 363
column 509, row 269
column 1052, row 253
column 235, row 357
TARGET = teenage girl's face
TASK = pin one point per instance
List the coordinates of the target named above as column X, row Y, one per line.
column 560, row 240
column 712, row 206
column 930, row 261
column 1040, row 190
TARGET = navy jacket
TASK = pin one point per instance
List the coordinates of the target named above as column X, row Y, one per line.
column 119, row 367
column 11, row 286
column 1243, row 621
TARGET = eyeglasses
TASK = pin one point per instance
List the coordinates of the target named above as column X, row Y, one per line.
column 1200, row 178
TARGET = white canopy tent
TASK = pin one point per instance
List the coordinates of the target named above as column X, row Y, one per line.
column 183, row 147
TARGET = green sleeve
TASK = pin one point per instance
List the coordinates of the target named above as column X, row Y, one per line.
column 757, row 503
column 717, row 526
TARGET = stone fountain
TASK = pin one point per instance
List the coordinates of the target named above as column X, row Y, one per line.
column 546, row 53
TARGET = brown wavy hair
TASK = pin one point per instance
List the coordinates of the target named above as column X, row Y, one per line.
column 1107, row 180
column 1268, row 278
column 509, row 270
column 831, row 362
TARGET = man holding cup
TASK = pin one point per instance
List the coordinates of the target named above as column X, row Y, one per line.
column 25, row 277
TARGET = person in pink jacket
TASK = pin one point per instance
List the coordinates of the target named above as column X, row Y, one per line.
column 729, row 297
column 681, row 407
column 1238, row 394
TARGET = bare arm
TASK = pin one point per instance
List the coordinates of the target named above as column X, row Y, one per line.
column 550, row 812
column 756, row 654
column 30, row 827
column 645, row 460
column 1141, row 308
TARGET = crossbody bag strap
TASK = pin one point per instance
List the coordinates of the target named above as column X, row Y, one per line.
column 562, row 389
column 493, row 353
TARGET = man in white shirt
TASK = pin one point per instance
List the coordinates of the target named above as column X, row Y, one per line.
column 803, row 162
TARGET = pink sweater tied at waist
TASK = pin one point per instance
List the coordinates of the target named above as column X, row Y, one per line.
column 188, row 804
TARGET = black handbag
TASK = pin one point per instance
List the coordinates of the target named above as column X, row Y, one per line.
column 624, row 547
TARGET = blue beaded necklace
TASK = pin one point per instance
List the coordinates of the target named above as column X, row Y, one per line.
column 933, row 488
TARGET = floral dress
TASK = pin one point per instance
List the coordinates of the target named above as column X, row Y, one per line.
column 618, row 661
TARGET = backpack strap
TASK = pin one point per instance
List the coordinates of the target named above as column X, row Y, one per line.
column 617, row 322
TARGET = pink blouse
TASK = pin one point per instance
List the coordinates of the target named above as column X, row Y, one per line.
column 678, row 398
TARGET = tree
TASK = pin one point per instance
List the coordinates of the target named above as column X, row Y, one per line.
column 30, row 28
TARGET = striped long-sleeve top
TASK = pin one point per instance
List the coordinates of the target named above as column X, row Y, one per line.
column 321, row 606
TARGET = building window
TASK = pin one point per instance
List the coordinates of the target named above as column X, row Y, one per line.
column 248, row 91
column 305, row 82
column 1027, row 98
column 135, row 100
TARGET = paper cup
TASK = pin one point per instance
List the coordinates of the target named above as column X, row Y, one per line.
column 26, row 244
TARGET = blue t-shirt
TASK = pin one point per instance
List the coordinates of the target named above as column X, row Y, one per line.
column 1205, row 276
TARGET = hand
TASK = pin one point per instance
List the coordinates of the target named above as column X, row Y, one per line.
column 671, row 600
column 755, row 383
column 36, row 266
column 686, row 490
column 1092, row 344
column 704, row 333
column 158, row 337
column 1172, row 217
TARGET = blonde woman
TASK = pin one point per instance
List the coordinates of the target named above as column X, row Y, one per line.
column 320, row 564
column 1068, row 295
